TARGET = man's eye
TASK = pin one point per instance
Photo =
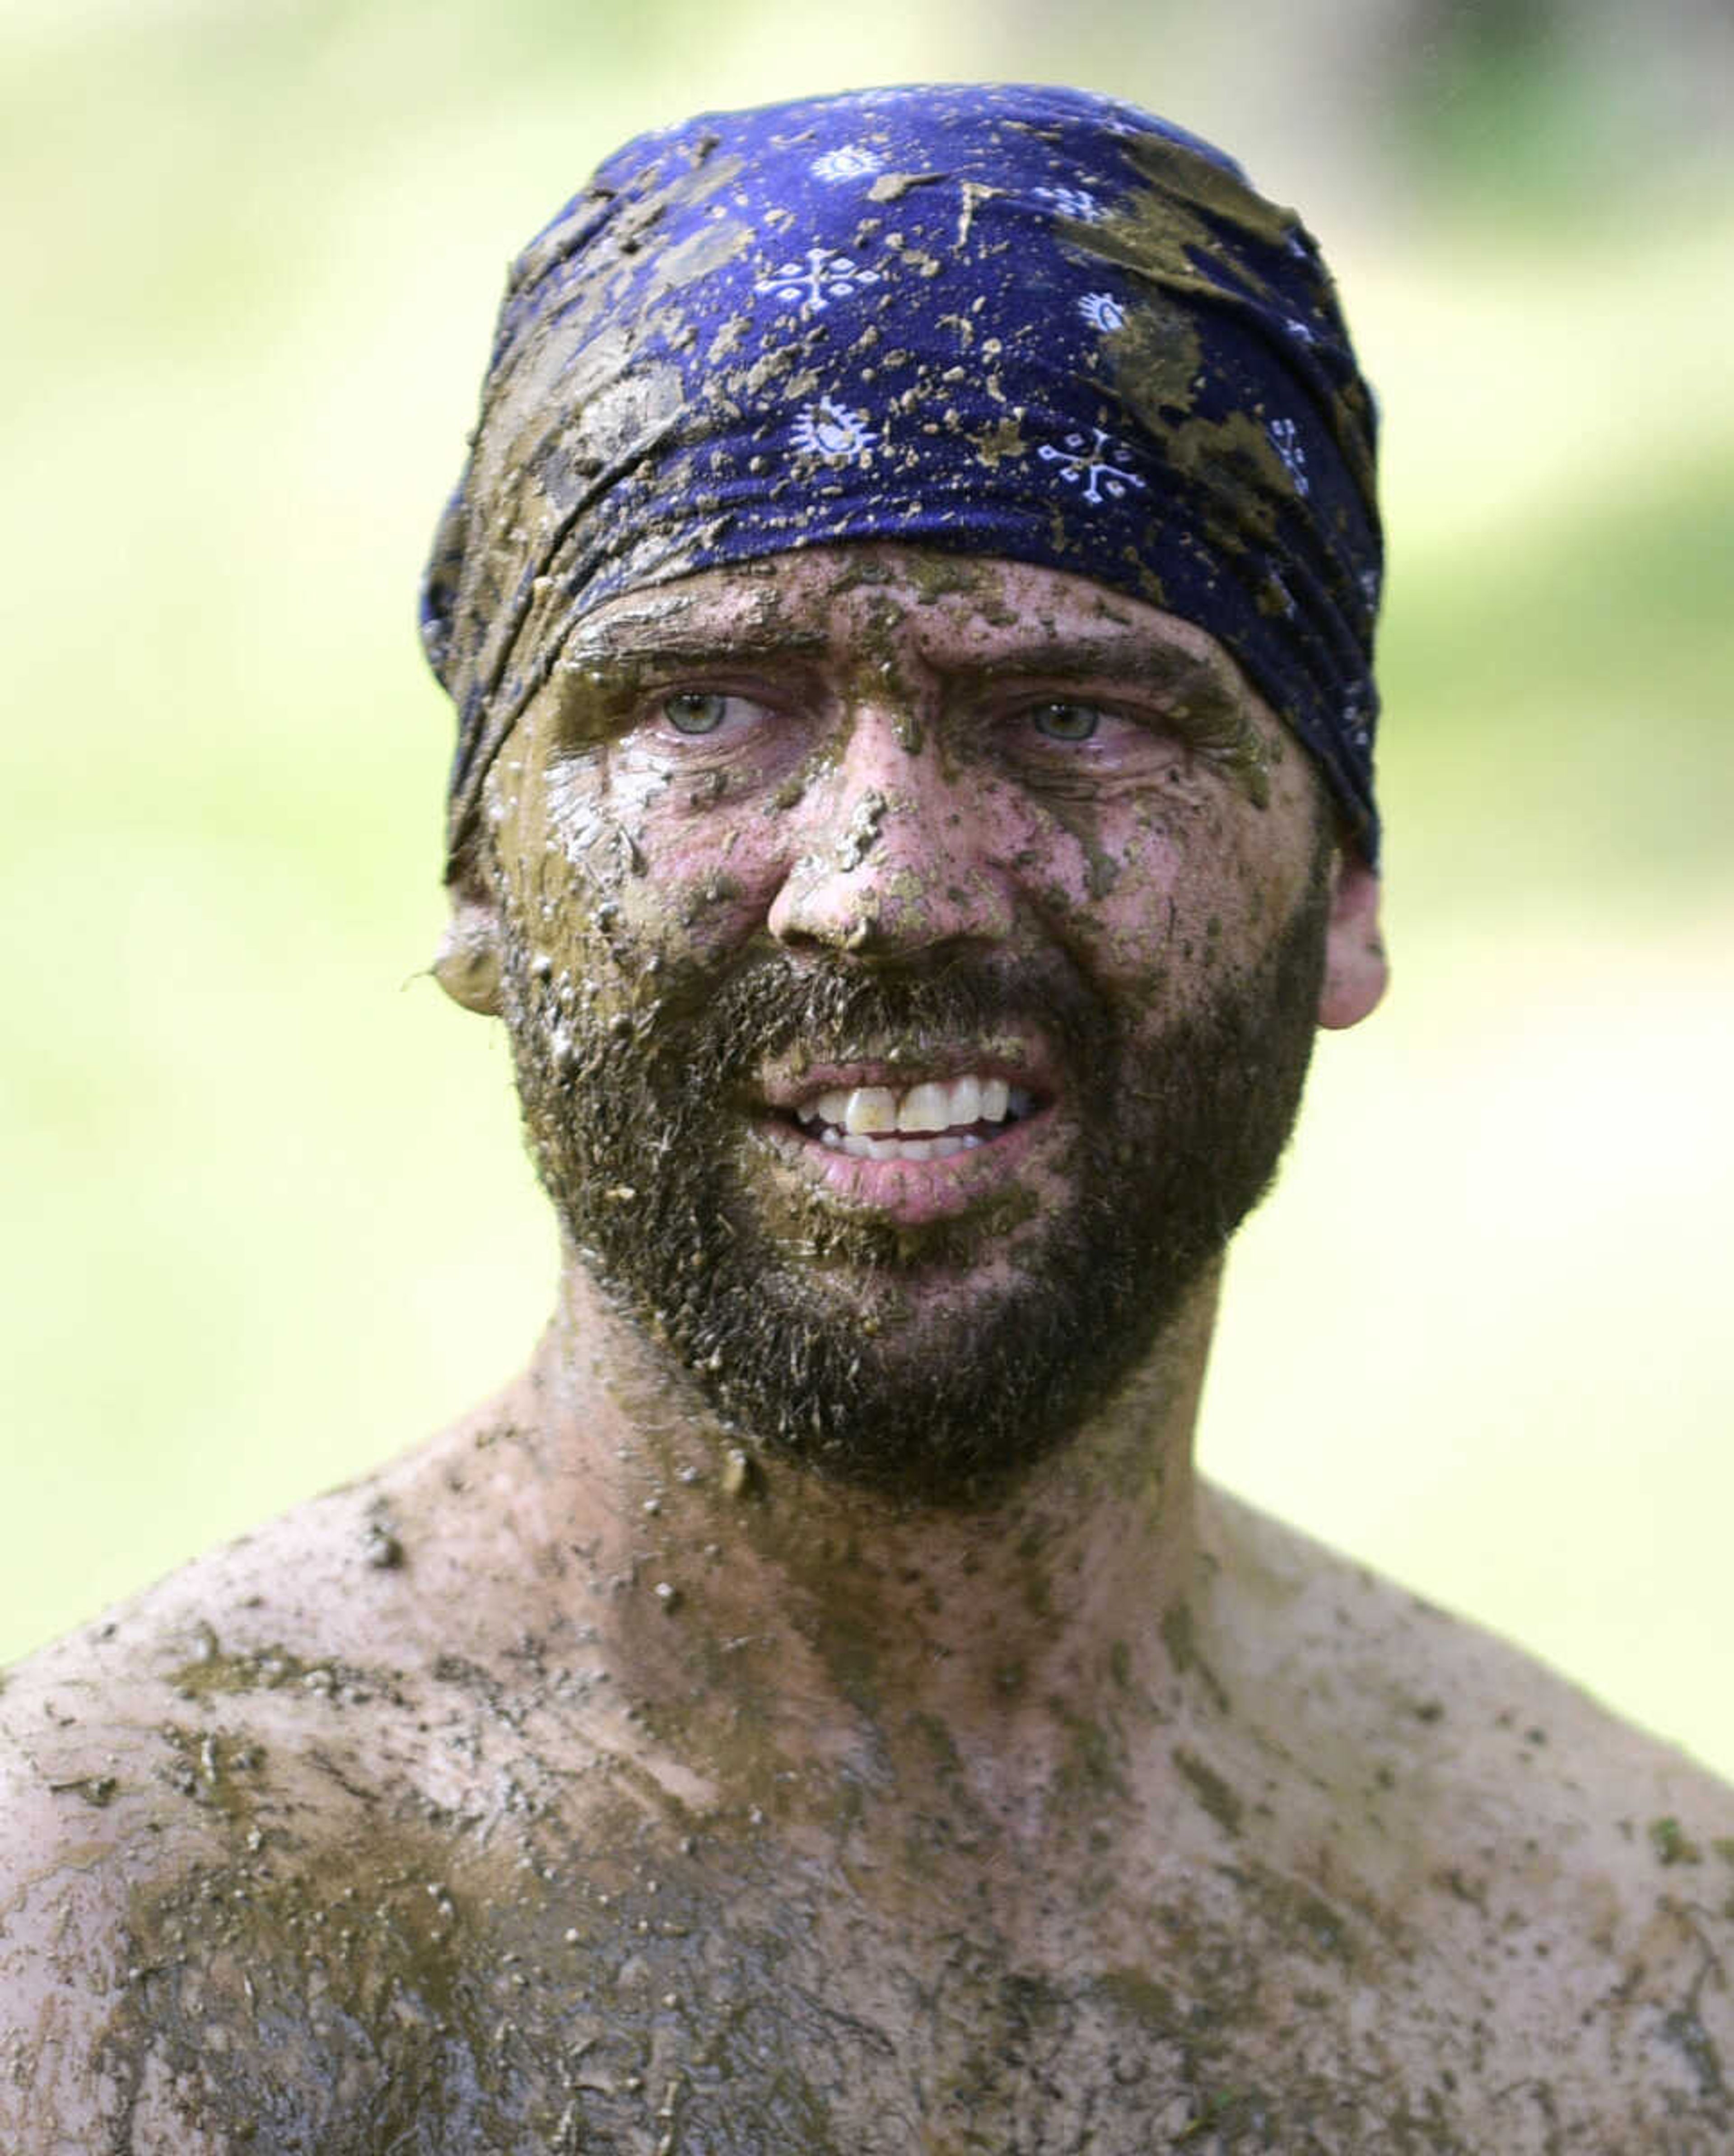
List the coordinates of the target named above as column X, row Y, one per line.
column 1066, row 722
column 695, row 710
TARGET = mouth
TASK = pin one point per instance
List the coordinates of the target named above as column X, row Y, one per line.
column 911, row 1145
column 935, row 1119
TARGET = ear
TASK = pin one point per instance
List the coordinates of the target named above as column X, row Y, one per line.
column 467, row 964
column 1355, row 968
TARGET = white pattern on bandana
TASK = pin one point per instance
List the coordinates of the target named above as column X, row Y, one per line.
column 822, row 278
column 1077, row 203
column 849, row 162
column 1102, row 310
column 827, row 429
column 1285, row 436
column 1079, row 460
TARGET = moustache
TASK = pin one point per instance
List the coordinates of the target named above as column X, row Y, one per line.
column 839, row 1010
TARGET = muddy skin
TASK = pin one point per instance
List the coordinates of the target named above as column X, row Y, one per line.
column 613, row 1076
column 692, row 1260
column 484, row 1906
column 601, row 2007
column 614, row 1773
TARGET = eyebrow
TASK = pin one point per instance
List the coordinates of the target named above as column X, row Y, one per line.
column 622, row 646
column 1201, row 678
column 1188, row 674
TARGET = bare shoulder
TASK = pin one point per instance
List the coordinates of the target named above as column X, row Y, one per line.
column 182, row 1781
column 1569, row 1877
column 1443, row 1699
column 140, row 1759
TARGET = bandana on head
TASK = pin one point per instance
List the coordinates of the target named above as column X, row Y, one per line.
column 1035, row 324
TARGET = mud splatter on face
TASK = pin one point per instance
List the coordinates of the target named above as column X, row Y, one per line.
column 794, row 1322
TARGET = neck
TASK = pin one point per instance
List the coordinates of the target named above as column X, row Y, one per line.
column 767, row 1625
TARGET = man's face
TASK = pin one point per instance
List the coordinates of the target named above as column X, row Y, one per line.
column 911, row 965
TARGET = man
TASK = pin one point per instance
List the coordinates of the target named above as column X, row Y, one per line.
column 910, row 609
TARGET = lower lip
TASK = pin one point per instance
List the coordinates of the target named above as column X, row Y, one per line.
column 913, row 1191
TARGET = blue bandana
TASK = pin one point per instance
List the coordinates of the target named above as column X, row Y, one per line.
column 1034, row 323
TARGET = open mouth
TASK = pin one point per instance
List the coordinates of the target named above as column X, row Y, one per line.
column 934, row 1120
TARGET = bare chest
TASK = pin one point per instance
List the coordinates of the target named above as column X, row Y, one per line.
column 684, row 1994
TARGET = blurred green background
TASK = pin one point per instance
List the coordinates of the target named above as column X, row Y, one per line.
column 269, row 1220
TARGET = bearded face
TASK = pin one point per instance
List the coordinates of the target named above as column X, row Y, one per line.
column 911, row 1357
column 893, row 1077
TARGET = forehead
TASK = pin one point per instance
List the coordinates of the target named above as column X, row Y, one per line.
column 842, row 603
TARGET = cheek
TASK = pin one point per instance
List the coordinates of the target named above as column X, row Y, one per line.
column 1170, row 884
column 1111, row 876
column 637, row 859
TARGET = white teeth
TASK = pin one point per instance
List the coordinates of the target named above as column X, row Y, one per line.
column 926, row 1108
column 832, row 1108
column 931, row 1120
column 860, row 1147
column 869, row 1108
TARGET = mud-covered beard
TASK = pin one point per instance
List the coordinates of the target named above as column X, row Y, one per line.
column 819, row 1336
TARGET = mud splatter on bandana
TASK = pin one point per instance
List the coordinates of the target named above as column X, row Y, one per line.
column 1030, row 323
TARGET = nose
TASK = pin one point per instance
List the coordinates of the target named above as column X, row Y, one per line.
column 891, row 855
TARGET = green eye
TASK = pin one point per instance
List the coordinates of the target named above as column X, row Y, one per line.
column 1066, row 722
column 695, row 710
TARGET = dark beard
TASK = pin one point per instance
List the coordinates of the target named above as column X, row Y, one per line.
column 792, row 1323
